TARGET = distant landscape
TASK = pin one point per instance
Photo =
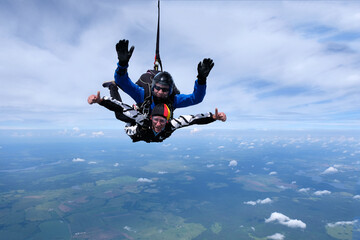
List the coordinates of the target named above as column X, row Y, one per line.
column 206, row 185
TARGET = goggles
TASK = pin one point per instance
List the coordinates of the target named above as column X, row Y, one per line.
column 160, row 88
column 161, row 120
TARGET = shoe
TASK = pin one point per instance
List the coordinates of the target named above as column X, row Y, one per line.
column 109, row 84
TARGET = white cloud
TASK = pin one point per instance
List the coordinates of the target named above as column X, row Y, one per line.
column 221, row 147
column 275, row 216
column 323, row 192
column 276, row 236
column 116, row 164
column 250, row 203
column 341, row 223
column 210, row 165
column 162, row 172
column 272, row 173
column 233, row 163
column 356, row 197
column 269, row 163
column 259, row 201
column 129, row 229
column 265, row 201
column 304, row 190
column 282, row 187
column 92, row 162
column 294, row 223
column 330, row 170
column 195, row 130
column 97, row 134
column 284, row 220
column 78, row 160
column 144, row 180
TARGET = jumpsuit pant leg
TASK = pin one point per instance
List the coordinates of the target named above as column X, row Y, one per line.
column 114, row 93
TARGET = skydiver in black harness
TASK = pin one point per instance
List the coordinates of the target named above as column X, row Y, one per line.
column 161, row 126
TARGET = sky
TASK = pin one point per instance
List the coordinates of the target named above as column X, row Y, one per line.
column 287, row 65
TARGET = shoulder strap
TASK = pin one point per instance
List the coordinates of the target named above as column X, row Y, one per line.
column 145, row 82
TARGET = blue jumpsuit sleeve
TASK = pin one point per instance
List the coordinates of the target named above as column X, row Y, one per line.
column 185, row 100
column 124, row 82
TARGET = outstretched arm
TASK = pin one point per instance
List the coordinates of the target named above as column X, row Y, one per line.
column 121, row 76
column 123, row 52
column 187, row 120
column 117, row 106
column 124, row 82
column 185, row 100
column 204, row 69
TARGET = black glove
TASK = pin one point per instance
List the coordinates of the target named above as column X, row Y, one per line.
column 204, row 69
column 123, row 53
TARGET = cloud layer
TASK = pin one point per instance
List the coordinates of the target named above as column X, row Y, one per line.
column 277, row 65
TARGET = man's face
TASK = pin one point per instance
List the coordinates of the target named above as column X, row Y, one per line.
column 161, row 91
column 158, row 123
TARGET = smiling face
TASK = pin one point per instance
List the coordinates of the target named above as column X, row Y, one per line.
column 158, row 123
column 161, row 90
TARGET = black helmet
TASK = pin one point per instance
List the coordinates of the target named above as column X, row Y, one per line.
column 163, row 78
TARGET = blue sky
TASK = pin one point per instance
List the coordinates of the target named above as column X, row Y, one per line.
column 278, row 64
